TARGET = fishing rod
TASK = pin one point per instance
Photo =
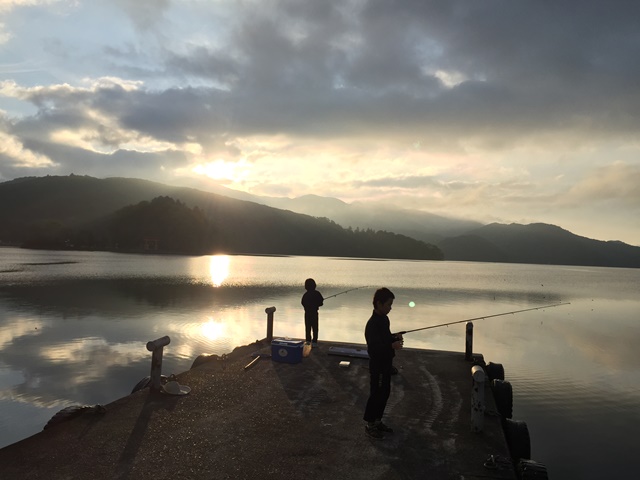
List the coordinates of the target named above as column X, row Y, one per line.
column 346, row 291
column 483, row 317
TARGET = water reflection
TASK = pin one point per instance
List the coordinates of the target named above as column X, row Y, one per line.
column 14, row 328
column 213, row 330
column 83, row 341
column 75, row 332
column 219, row 269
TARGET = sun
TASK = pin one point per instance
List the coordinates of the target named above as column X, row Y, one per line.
column 223, row 170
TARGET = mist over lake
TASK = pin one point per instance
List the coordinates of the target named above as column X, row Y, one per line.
column 74, row 325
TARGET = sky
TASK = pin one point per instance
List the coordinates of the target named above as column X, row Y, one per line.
column 496, row 111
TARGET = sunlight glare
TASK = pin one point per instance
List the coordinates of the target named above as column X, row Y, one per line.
column 223, row 170
column 213, row 330
column 219, row 269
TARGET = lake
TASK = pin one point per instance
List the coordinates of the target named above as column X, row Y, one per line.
column 74, row 327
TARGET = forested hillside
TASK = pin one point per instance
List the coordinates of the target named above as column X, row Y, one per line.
column 538, row 243
column 134, row 215
column 124, row 214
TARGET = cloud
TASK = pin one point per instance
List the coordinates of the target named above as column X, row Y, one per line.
column 618, row 183
column 341, row 70
column 476, row 106
column 4, row 35
column 145, row 14
column 6, row 5
column 11, row 149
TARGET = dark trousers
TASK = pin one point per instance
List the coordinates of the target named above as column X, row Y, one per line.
column 311, row 325
column 380, row 388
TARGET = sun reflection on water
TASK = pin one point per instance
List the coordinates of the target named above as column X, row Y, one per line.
column 219, row 269
column 213, row 330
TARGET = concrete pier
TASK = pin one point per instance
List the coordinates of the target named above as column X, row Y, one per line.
column 279, row 421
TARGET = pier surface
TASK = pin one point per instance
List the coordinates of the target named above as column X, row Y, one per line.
column 277, row 421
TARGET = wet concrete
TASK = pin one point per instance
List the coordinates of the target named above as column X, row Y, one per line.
column 278, row 421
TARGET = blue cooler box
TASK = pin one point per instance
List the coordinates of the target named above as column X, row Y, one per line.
column 286, row 351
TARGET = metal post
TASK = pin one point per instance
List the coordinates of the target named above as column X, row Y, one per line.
column 477, row 399
column 156, row 347
column 269, row 311
column 468, row 351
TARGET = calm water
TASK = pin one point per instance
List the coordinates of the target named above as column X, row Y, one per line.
column 74, row 325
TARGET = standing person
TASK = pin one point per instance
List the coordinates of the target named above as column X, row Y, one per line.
column 381, row 346
column 311, row 301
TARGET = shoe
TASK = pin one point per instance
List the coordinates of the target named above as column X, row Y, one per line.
column 374, row 432
column 314, row 344
column 384, row 428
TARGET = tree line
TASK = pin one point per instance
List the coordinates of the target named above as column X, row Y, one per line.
column 166, row 225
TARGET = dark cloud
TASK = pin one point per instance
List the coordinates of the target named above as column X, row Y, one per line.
column 213, row 65
column 145, row 14
column 524, row 67
column 86, row 162
column 440, row 72
column 301, row 67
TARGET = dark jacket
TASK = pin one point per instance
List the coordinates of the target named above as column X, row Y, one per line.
column 311, row 301
column 379, row 339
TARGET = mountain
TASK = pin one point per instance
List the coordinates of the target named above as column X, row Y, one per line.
column 132, row 215
column 468, row 240
column 424, row 226
column 465, row 240
column 43, row 208
column 420, row 225
column 537, row 243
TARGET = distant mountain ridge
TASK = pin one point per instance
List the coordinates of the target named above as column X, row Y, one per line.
column 122, row 214
column 86, row 200
column 538, row 243
column 424, row 226
column 468, row 240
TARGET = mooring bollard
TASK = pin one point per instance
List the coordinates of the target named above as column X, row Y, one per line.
column 477, row 399
column 156, row 347
column 269, row 311
column 468, row 351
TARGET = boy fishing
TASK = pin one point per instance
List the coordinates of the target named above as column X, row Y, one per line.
column 381, row 346
column 311, row 301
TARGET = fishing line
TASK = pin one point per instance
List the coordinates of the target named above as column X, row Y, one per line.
column 346, row 291
column 483, row 317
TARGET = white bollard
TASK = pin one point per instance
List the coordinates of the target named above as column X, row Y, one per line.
column 477, row 399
